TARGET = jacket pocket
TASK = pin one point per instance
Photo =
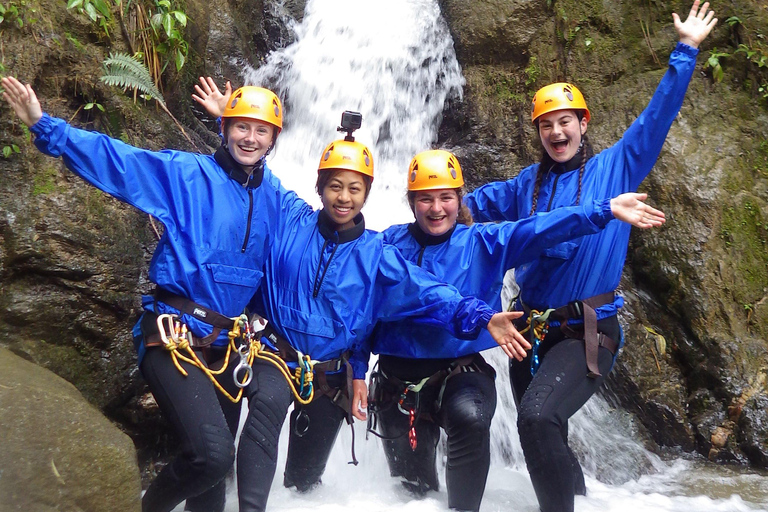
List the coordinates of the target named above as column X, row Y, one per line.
column 236, row 275
column 562, row 251
column 314, row 325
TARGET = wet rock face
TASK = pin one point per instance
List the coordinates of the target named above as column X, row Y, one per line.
column 701, row 281
column 60, row 452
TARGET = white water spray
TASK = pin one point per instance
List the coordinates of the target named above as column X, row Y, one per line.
column 393, row 61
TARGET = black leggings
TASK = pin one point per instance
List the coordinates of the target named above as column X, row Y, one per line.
column 205, row 423
column 314, row 428
column 269, row 396
column 546, row 401
column 468, row 405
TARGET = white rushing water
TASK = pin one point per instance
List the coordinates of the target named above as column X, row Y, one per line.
column 393, row 61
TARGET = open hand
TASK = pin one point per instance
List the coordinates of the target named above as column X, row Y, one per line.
column 506, row 335
column 631, row 209
column 210, row 97
column 22, row 100
column 698, row 25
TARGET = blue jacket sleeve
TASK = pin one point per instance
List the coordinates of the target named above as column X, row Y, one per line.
column 515, row 243
column 494, row 201
column 406, row 290
column 639, row 147
column 145, row 179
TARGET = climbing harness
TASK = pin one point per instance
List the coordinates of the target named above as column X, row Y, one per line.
column 407, row 396
column 538, row 324
column 176, row 339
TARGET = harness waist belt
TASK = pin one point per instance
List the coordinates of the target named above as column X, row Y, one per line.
column 593, row 340
column 190, row 308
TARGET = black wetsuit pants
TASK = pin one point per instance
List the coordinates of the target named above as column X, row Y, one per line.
column 314, row 428
column 468, row 405
column 204, row 422
column 546, row 401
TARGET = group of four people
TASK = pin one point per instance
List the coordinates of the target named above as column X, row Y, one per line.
column 333, row 292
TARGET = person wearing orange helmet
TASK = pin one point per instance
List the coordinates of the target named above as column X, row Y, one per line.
column 570, row 291
column 220, row 212
column 328, row 281
column 426, row 378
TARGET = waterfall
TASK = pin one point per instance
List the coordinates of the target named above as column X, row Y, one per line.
column 393, row 61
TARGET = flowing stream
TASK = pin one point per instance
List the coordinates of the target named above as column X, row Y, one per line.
column 393, row 61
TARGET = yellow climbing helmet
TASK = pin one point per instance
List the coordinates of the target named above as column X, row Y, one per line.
column 347, row 156
column 558, row 96
column 255, row 103
column 432, row 170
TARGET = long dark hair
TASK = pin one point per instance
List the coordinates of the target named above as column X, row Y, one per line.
column 465, row 215
column 546, row 164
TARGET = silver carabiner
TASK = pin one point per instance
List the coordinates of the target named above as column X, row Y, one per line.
column 243, row 350
column 166, row 325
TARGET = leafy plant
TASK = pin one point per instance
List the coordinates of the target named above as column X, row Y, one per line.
column 166, row 22
column 714, row 62
column 13, row 12
column 10, row 150
column 123, row 70
column 97, row 10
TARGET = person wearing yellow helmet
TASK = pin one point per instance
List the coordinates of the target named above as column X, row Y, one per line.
column 426, row 379
column 328, row 281
column 574, row 284
column 219, row 212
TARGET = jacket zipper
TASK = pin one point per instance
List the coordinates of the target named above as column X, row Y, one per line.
column 552, row 196
column 320, row 278
column 248, row 226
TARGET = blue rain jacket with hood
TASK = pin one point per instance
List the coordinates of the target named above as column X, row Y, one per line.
column 474, row 259
column 325, row 290
column 218, row 220
column 590, row 266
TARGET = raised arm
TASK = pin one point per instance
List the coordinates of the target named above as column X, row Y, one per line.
column 494, row 201
column 151, row 181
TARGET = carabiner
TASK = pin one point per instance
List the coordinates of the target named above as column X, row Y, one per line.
column 166, row 325
column 243, row 350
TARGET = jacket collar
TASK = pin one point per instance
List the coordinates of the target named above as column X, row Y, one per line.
column 328, row 228
column 561, row 168
column 426, row 239
column 236, row 172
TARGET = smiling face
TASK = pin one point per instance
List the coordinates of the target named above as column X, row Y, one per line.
column 343, row 196
column 436, row 210
column 248, row 140
column 560, row 132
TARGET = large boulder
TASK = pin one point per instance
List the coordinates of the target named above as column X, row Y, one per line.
column 60, row 453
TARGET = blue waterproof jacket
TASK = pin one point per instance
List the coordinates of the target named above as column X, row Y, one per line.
column 592, row 265
column 325, row 290
column 474, row 259
column 218, row 220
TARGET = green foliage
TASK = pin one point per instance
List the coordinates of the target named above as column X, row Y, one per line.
column 98, row 11
column 10, row 150
column 16, row 13
column 167, row 24
column 124, row 71
column 532, row 71
column 714, row 62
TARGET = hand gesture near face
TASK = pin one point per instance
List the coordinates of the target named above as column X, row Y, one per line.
column 698, row 25
column 210, row 97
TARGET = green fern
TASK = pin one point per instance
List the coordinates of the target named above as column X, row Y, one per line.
column 124, row 71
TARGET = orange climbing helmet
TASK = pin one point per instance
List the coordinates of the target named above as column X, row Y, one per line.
column 255, row 103
column 433, row 170
column 347, row 156
column 558, row 96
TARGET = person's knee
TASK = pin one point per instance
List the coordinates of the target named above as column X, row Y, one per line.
column 533, row 417
column 217, row 456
